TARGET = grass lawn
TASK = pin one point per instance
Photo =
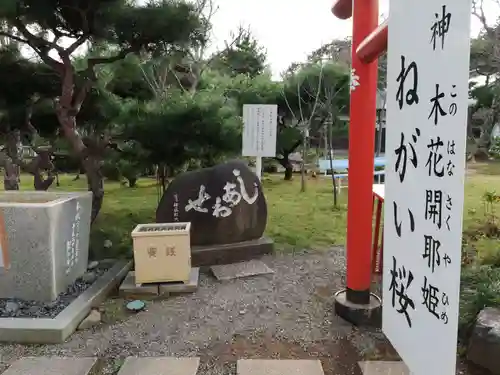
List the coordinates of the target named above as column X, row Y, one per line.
column 479, row 236
column 296, row 220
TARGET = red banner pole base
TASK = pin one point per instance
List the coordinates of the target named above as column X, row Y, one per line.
column 364, row 314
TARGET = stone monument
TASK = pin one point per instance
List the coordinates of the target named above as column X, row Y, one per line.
column 44, row 238
column 227, row 210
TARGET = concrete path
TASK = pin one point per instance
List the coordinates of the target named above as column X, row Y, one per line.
column 184, row 366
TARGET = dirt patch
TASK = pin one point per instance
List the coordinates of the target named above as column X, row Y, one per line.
column 113, row 311
column 336, row 356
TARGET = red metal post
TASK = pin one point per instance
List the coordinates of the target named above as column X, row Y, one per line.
column 374, row 45
column 361, row 157
column 342, row 9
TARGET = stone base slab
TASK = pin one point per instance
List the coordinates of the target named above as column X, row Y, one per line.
column 190, row 286
column 279, row 367
column 383, row 368
column 130, row 290
column 239, row 270
column 230, row 253
column 57, row 330
column 160, row 365
column 51, row 366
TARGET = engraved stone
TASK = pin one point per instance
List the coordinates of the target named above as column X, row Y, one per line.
column 44, row 239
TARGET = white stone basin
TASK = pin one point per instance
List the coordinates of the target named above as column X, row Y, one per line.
column 44, row 238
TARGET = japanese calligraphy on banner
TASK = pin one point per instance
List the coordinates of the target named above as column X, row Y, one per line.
column 428, row 72
column 259, row 129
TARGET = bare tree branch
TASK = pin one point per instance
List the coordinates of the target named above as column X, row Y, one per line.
column 317, row 94
column 90, row 76
column 41, row 46
column 192, row 58
column 74, row 46
column 13, row 37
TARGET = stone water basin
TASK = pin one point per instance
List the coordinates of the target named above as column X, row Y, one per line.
column 44, row 242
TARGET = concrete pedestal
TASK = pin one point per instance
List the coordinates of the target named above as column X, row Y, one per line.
column 45, row 242
column 230, row 253
column 359, row 314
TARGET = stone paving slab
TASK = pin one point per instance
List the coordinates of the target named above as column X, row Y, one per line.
column 160, row 366
column 51, row 366
column 279, row 367
column 242, row 269
column 189, row 287
column 128, row 289
column 384, row 368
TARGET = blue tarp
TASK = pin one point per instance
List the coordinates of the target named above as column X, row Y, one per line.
column 343, row 164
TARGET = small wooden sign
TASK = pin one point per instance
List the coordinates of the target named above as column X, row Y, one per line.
column 4, row 252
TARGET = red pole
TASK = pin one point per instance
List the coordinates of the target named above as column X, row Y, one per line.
column 374, row 45
column 361, row 157
column 342, row 9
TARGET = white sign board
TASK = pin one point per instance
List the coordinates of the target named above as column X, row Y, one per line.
column 259, row 130
column 428, row 73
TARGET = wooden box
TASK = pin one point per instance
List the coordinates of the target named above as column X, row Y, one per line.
column 162, row 252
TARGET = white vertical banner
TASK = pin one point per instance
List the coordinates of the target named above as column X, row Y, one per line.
column 259, row 130
column 427, row 96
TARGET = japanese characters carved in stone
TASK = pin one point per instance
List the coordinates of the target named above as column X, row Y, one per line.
column 225, row 204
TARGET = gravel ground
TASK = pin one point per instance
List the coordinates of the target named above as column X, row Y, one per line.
column 285, row 315
column 18, row 308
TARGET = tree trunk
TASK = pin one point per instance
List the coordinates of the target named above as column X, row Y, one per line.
column 378, row 137
column 303, row 165
column 302, row 177
column 285, row 163
column 470, row 119
column 330, row 156
column 14, row 163
column 95, row 182
column 489, row 125
column 39, row 182
column 90, row 162
column 42, row 162
column 10, row 175
column 285, row 160
column 162, row 177
column 81, row 171
column 12, row 171
column 42, row 184
column 132, row 182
